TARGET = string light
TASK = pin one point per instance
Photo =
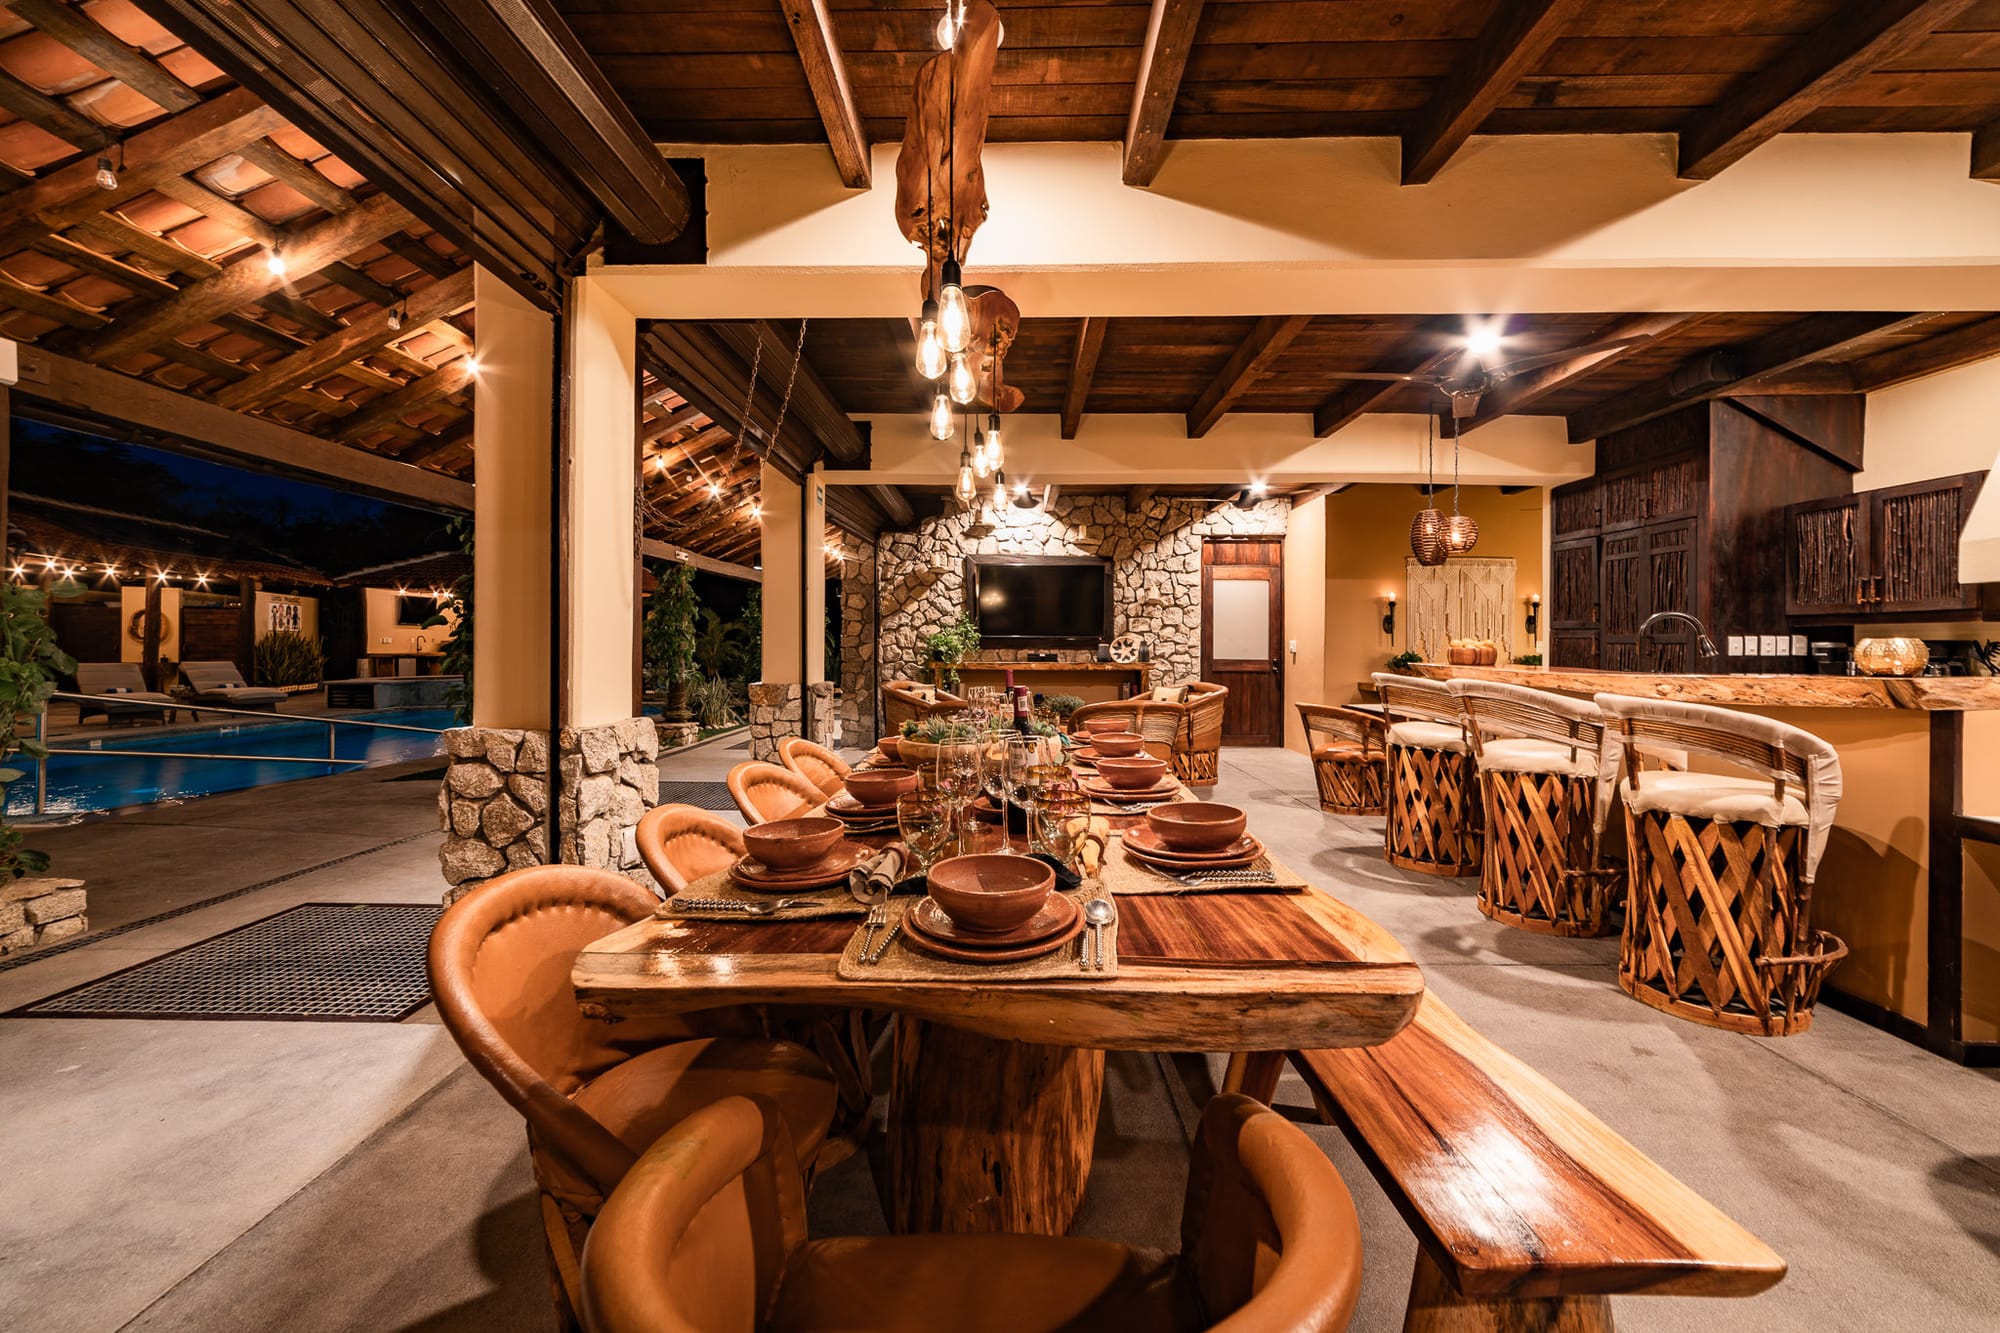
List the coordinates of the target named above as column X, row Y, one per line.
column 472, row 367
column 968, row 489
column 201, row 580
column 931, row 360
column 714, row 490
column 107, row 179
column 999, row 492
column 982, row 458
column 993, row 453
column 275, row 262
column 1257, row 488
column 942, row 425
column 163, row 575
column 954, row 316
column 964, row 385
column 756, row 512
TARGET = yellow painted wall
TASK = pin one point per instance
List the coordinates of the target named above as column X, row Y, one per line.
column 308, row 612
column 386, row 636
column 131, row 601
column 1367, row 540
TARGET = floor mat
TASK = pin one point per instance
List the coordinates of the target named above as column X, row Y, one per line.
column 700, row 795
column 329, row 962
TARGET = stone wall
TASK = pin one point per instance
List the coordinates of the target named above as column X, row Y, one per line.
column 495, row 794
column 857, row 649
column 1155, row 555
column 41, row 911
column 778, row 711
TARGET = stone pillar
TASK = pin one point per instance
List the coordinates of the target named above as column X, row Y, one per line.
column 776, row 711
column 610, row 778
column 859, row 688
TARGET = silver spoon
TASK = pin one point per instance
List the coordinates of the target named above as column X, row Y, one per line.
column 1099, row 913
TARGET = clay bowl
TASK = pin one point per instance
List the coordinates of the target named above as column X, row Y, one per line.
column 1098, row 726
column 1117, row 744
column 793, row 844
column 1133, row 774
column 890, row 746
column 877, row 787
column 991, row 892
column 1196, row 826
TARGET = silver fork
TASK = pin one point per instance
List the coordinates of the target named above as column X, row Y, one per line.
column 878, row 916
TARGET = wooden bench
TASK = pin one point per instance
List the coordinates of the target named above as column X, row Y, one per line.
column 1530, row 1211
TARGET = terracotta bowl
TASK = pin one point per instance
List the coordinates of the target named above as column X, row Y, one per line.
column 1135, row 774
column 890, row 746
column 1098, row 726
column 991, row 892
column 1117, row 744
column 881, row 786
column 792, row 844
column 1196, row 826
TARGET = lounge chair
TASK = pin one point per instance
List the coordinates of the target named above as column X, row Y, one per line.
column 123, row 682
column 221, row 685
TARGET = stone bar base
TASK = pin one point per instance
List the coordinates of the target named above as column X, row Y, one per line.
column 495, row 795
column 41, row 911
column 823, row 717
column 778, row 711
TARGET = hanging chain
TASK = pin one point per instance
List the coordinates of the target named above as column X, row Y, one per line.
column 798, row 355
column 745, row 422
column 1452, row 407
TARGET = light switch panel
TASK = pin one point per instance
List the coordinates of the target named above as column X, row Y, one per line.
column 1736, row 645
column 1770, row 646
column 1799, row 645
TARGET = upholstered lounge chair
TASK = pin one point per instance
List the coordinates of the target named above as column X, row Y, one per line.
column 221, row 685
column 124, row 695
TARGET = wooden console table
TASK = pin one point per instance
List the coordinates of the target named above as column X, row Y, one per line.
column 1092, row 682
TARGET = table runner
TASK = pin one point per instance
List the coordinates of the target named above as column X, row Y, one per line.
column 1228, row 930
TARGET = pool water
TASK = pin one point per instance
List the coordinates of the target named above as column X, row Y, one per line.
column 108, row 779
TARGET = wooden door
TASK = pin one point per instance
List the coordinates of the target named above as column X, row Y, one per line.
column 1913, row 542
column 1826, row 556
column 1243, row 636
column 1672, row 577
column 1622, row 599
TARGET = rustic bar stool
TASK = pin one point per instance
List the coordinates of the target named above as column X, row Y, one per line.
column 1718, row 914
column 1349, row 758
column 1433, row 813
column 1537, row 759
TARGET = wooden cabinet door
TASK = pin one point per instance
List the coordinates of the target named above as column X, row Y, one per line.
column 1573, row 583
column 1621, row 598
column 1914, row 539
column 1826, row 556
column 1672, row 581
column 1243, row 635
column 1573, row 648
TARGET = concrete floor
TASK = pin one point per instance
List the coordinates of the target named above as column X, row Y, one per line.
column 308, row 1176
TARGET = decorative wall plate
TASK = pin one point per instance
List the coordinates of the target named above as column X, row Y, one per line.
column 1125, row 648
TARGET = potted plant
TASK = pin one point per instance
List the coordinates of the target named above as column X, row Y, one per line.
column 1528, row 659
column 32, row 911
column 1404, row 660
column 289, row 660
column 669, row 638
column 1060, row 706
column 950, row 646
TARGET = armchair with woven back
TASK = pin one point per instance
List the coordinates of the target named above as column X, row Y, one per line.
column 1182, row 724
column 911, row 701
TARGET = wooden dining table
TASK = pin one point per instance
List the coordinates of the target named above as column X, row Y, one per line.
column 994, row 1098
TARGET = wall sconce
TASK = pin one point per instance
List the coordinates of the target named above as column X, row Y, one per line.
column 1389, row 619
column 1534, row 613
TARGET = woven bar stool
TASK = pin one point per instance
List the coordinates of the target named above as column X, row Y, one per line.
column 1537, row 759
column 1718, row 913
column 1432, row 794
column 1349, row 757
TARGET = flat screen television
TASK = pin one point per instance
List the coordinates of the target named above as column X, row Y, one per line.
column 1039, row 601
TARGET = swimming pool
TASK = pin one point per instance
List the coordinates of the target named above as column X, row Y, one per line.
column 107, row 779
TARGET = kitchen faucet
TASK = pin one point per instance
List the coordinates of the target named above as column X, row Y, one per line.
column 420, row 641
column 1703, row 645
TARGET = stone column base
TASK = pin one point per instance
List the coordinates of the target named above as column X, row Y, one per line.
column 674, row 735
column 776, row 712
column 823, row 724
column 41, row 911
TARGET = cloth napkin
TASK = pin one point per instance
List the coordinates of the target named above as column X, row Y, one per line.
column 881, row 875
column 1090, row 847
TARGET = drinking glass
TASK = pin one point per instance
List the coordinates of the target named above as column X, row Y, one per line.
column 993, row 781
column 1023, row 756
column 1064, row 817
column 925, row 820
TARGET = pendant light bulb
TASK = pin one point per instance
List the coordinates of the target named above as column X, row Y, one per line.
column 954, row 316
column 107, row 179
column 982, row 461
column 993, row 438
column 941, row 422
column 968, row 489
column 999, row 492
column 931, row 358
column 964, row 384
column 947, row 27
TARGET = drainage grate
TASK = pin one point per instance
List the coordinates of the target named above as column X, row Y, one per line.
column 357, row 962
column 700, row 795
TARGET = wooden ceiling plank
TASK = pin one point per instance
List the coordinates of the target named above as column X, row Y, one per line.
column 826, row 72
column 1418, row 354
column 1859, row 39
column 1170, row 30
column 250, row 279
column 354, row 280
column 1082, row 369
column 687, row 414
column 1246, row 365
column 435, row 445
column 301, row 177
column 1926, row 356
column 124, row 238
column 1516, row 394
column 228, row 212
column 1513, row 42
column 49, row 305
column 73, row 26
column 1786, row 360
column 137, row 280
column 54, row 115
column 447, row 379
column 359, row 339
column 422, row 256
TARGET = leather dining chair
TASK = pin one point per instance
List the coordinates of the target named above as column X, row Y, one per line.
column 681, row 844
column 595, row 1094
column 708, row 1232
column 815, row 763
column 764, row 792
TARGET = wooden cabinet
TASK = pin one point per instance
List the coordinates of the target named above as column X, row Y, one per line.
column 1889, row 553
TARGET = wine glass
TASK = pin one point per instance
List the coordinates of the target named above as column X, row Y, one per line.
column 1023, row 756
column 924, row 818
column 1064, row 818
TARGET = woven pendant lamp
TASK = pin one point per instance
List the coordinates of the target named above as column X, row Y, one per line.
column 1428, row 528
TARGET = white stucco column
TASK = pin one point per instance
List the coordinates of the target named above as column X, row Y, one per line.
column 600, row 587
column 784, row 702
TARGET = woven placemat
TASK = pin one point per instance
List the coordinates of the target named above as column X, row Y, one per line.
column 833, row 900
column 904, row 961
column 1099, row 806
column 1128, row 877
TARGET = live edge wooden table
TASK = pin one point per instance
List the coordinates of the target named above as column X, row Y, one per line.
column 994, row 1106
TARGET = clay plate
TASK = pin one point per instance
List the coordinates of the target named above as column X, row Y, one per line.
column 847, row 807
column 1185, row 867
column 1104, row 791
column 846, row 855
column 1144, row 839
column 934, row 921
column 917, row 936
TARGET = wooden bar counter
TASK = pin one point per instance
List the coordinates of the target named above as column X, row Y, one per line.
column 1092, row 682
column 1911, row 876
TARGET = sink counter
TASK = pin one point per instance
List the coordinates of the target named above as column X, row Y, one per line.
column 1959, row 694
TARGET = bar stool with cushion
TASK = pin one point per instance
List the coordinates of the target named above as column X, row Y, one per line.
column 815, row 763
column 681, row 844
column 1348, row 749
column 595, row 1094
column 908, row 701
column 708, row 1232
column 1433, row 807
column 1718, row 911
column 764, row 792
column 1537, row 758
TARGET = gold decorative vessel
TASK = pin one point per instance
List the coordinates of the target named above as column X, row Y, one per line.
column 1891, row 657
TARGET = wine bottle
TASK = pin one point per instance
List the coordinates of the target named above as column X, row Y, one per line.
column 1021, row 722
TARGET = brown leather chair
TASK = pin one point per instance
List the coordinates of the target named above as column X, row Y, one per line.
column 764, row 792
column 681, row 844
column 1188, row 735
column 595, row 1094
column 708, row 1232
column 816, row 764
column 906, row 701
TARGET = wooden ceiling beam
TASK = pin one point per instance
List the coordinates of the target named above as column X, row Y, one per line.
column 659, row 550
column 1417, row 355
column 687, row 414
column 365, row 335
column 895, row 505
column 1986, row 152
column 390, row 407
column 1516, row 394
column 1858, row 40
column 131, row 277
column 53, row 115
column 1162, row 61
column 299, row 176
column 50, row 305
column 1246, row 365
column 1513, row 42
column 195, row 195
column 434, row 446
column 1957, row 347
column 73, row 26
column 826, row 74
column 124, row 238
column 1786, row 360
column 415, row 252
column 1082, row 369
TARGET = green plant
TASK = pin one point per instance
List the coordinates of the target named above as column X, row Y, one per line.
column 1528, row 659
column 937, row 730
column 668, row 638
column 952, row 644
column 1062, row 705
column 722, row 648
column 712, row 702
column 287, row 657
column 456, row 611
column 30, row 661
column 1404, row 660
